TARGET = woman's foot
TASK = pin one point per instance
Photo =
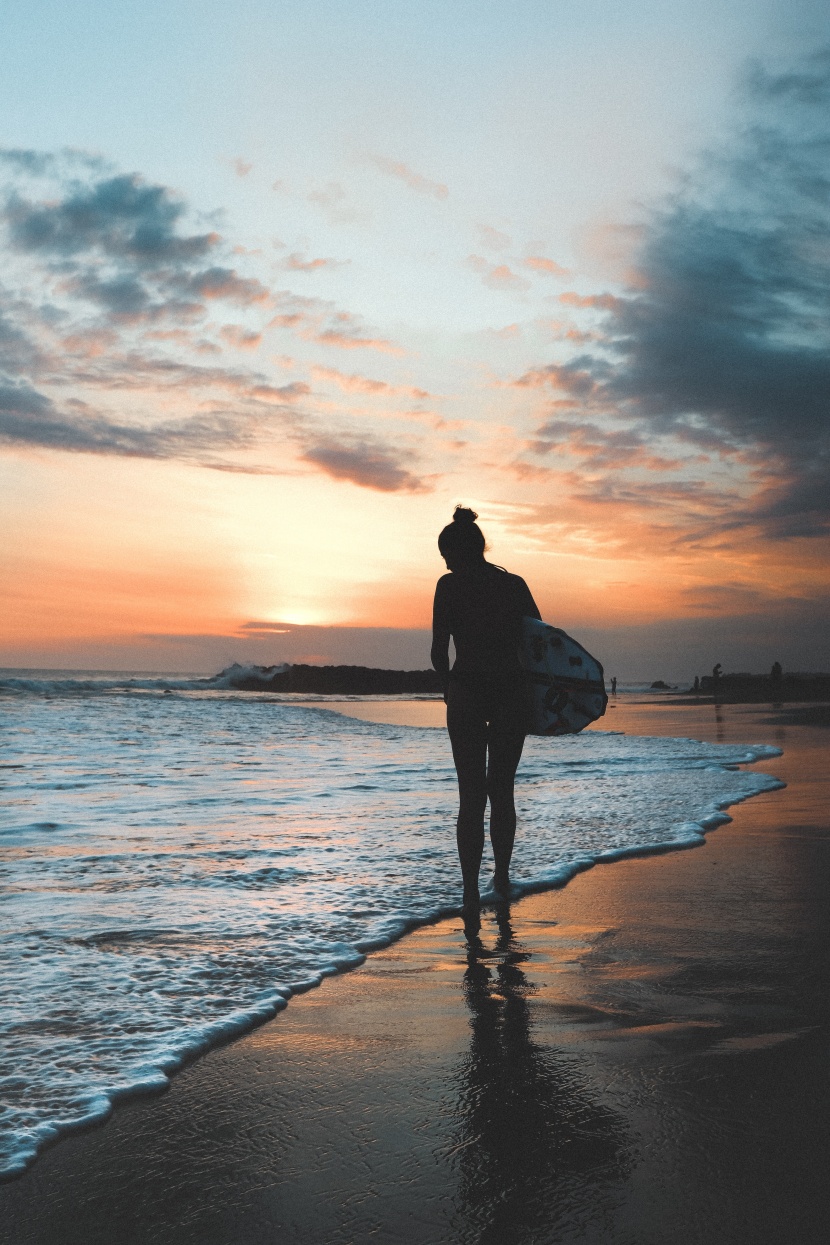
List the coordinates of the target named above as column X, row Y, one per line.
column 471, row 902
column 500, row 886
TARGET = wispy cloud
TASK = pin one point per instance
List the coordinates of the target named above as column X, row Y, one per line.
column 546, row 267
column 353, row 383
column 415, row 181
column 601, row 447
column 240, row 338
column 491, row 239
column 29, row 418
column 350, row 337
column 333, row 201
column 296, row 262
column 597, row 302
column 497, row 276
column 319, row 320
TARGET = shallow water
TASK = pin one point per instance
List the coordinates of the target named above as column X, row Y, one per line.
column 175, row 866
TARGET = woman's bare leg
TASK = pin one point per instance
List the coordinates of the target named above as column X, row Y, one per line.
column 468, row 737
column 505, row 751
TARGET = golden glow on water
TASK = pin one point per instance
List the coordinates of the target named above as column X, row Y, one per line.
column 395, row 712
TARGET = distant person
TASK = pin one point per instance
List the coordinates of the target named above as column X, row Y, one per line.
column 696, row 687
column 613, row 686
column 777, row 673
column 481, row 606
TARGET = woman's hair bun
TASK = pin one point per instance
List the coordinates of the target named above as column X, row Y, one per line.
column 464, row 515
column 463, row 538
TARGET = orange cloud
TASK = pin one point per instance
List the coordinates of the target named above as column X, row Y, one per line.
column 600, row 447
column 317, row 320
column 415, row 181
column 368, row 464
column 279, row 393
column 548, row 267
column 227, row 284
column 90, row 343
column 349, row 341
column 603, row 302
column 364, row 384
column 497, row 276
column 239, row 337
column 569, row 379
column 296, row 263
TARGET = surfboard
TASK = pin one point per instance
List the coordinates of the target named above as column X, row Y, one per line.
column 567, row 684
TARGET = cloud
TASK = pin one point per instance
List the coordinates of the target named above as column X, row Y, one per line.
column 601, row 447
column 145, row 372
column 332, row 200
column 29, row 418
column 581, row 380
column 116, row 243
column 547, row 267
column 240, row 338
column 365, row 384
column 493, row 239
column 368, row 464
column 599, row 302
column 121, row 217
column 295, row 262
column 497, row 276
column 223, row 283
column 721, row 341
column 345, row 340
column 265, row 627
column 415, row 181
column 729, row 336
column 113, row 340
column 317, row 320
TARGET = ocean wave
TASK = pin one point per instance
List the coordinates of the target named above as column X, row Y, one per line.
column 175, row 868
column 237, row 679
column 76, row 683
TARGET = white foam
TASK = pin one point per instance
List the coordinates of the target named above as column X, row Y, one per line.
column 176, row 867
column 232, row 682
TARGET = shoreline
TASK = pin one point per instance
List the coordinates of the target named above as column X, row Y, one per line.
column 84, row 1156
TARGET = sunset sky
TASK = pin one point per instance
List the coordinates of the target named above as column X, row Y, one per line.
column 282, row 283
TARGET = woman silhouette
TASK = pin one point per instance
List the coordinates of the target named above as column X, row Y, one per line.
column 481, row 606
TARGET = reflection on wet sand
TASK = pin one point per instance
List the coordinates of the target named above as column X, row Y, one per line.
column 532, row 1144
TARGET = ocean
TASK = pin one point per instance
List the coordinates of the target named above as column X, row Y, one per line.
column 177, row 859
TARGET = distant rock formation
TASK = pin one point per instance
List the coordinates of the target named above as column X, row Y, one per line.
column 329, row 680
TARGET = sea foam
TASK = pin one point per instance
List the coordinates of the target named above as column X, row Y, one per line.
column 175, row 866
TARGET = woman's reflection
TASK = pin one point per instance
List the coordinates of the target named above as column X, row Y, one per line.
column 533, row 1147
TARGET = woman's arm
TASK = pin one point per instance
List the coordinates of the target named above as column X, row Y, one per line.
column 441, row 628
column 528, row 606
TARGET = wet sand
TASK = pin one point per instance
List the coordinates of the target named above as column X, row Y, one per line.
column 638, row 1058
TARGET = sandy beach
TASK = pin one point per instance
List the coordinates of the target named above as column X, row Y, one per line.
column 640, row 1057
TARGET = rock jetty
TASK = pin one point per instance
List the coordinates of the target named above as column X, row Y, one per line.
column 330, row 680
